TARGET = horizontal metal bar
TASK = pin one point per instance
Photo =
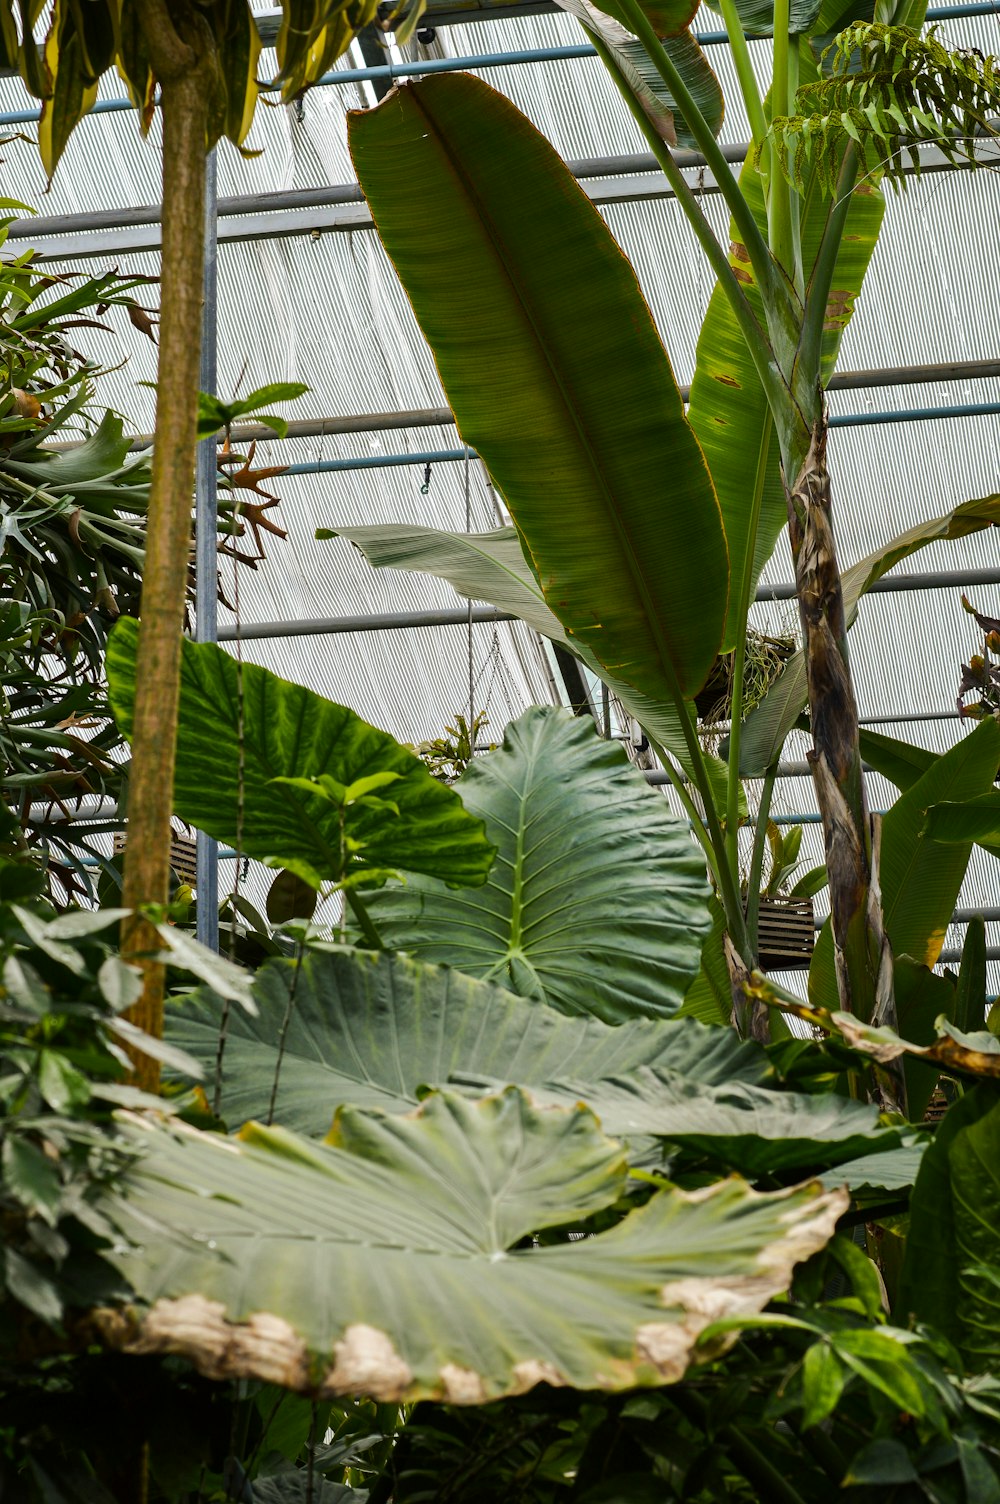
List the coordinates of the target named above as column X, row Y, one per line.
column 384, row 621
column 391, row 621
column 933, row 579
column 443, row 417
column 463, row 16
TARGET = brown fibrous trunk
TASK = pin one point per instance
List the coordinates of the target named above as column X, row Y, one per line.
column 862, row 955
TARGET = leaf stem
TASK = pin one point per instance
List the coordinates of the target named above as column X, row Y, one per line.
column 744, row 72
column 746, row 226
column 740, row 651
column 361, row 914
column 757, row 855
column 757, row 340
column 779, row 205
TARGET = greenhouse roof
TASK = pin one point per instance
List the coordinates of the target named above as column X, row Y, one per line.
column 305, row 292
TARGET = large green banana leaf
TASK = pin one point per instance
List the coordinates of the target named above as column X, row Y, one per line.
column 953, row 1244
column 491, row 567
column 370, row 1028
column 748, row 1128
column 729, row 410
column 768, row 725
column 388, row 1263
column 920, row 880
column 556, row 375
column 244, row 718
column 597, row 902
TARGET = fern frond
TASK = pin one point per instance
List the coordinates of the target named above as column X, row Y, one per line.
column 887, row 91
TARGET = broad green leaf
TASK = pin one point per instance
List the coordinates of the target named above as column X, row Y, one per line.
column 388, row 1263
column 899, row 761
column 922, row 997
column 709, row 998
column 492, row 567
column 748, row 1128
column 370, row 1028
column 963, row 821
column 597, row 902
column 955, row 1226
column 583, row 431
column 289, row 731
column 823, row 1381
column 920, row 879
column 729, row 410
column 970, row 995
column 894, row 1170
column 769, row 724
column 481, row 566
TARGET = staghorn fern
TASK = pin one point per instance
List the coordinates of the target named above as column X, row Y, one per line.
column 888, row 92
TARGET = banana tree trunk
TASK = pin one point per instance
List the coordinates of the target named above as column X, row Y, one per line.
column 182, row 55
column 862, row 954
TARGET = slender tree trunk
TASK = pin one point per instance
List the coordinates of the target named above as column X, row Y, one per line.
column 183, row 58
column 861, row 950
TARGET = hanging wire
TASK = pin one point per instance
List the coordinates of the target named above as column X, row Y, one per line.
column 468, row 529
column 240, row 801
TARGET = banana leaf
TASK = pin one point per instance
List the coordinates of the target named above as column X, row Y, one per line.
column 767, row 726
column 525, row 303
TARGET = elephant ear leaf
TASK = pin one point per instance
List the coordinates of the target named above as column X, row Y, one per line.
column 243, row 717
column 524, row 305
column 598, row 902
column 409, row 1272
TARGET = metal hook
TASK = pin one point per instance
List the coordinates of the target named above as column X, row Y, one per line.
column 427, row 481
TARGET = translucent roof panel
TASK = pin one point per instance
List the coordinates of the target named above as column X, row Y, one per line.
column 325, row 308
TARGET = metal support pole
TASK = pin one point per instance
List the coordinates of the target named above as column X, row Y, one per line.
column 206, row 544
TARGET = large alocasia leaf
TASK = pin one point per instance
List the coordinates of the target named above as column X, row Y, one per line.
column 597, row 902
column 769, row 724
column 492, row 567
column 555, row 373
column 920, row 879
column 954, row 1235
column 287, row 731
column 370, row 1028
column 746, row 1127
column 388, row 1263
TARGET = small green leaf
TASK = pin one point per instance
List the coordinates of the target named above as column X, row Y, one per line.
column 882, row 1462
column 27, row 1283
column 823, row 1380
column 60, row 1083
column 31, row 1178
column 120, row 984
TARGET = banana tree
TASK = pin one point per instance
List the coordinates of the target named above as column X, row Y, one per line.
column 639, row 532
column 198, row 61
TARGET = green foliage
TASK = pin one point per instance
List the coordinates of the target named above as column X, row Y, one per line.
column 597, row 902
column 427, row 1220
column 337, row 1025
column 243, row 716
column 889, row 91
